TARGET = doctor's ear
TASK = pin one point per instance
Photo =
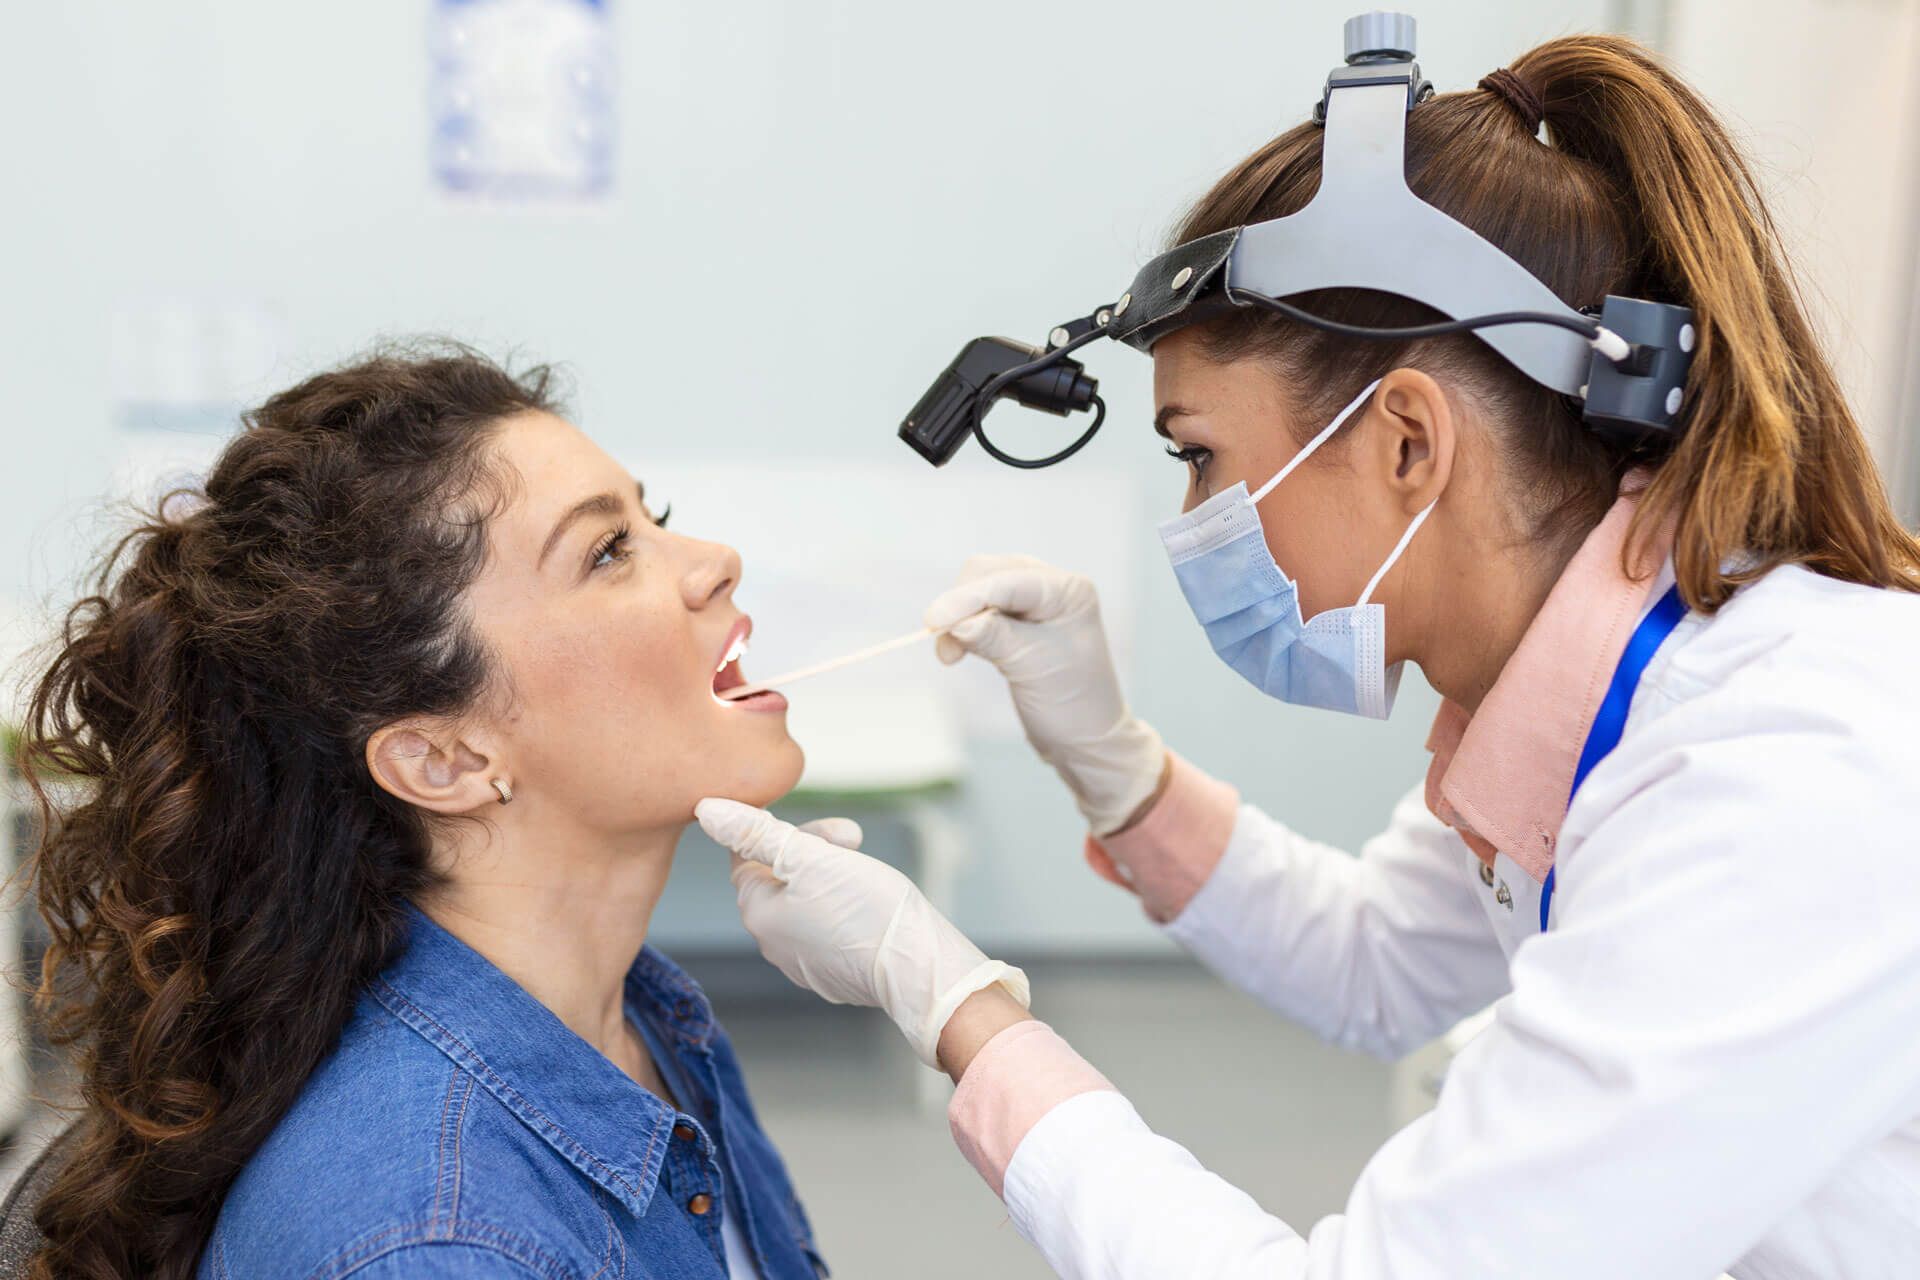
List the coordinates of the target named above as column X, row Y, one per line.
column 432, row 766
column 1416, row 450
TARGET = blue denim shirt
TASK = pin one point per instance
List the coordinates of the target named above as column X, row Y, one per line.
column 460, row 1129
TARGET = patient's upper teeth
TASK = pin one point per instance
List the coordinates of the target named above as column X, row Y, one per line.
column 734, row 652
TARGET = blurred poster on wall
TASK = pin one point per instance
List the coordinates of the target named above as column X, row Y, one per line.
column 522, row 100
column 182, row 369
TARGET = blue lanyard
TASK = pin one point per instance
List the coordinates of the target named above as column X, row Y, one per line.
column 1611, row 719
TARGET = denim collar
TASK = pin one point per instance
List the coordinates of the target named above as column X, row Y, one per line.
column 562, row 1088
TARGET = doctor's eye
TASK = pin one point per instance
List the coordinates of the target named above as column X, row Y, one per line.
column 1192, row 455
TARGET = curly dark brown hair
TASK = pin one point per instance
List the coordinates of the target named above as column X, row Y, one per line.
column 220, row 874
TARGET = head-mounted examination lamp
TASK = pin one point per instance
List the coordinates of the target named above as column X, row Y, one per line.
column 1363, row 229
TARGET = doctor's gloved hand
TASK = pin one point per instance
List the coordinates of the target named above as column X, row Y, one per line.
column 1045, row 636
column 848, row 928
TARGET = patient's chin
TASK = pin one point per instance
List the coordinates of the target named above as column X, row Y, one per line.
column 770, row 775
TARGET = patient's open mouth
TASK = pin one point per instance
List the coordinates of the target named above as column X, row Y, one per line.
column 729, row 676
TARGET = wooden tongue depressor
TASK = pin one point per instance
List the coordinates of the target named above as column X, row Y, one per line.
column 834, row 664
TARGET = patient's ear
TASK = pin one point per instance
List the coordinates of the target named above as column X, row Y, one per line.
column 431, row 766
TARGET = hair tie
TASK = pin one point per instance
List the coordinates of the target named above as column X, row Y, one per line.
column 1518, row 94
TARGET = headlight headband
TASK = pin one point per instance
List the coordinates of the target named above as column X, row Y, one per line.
column 1363, row 229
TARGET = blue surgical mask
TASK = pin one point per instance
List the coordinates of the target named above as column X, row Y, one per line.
column 1251, row 610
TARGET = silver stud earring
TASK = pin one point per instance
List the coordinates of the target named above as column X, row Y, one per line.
column 506, row 792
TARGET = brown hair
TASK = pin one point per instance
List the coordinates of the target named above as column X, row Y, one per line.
column 226, row 875
column 1640, row 192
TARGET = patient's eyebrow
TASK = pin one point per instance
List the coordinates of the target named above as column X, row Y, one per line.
column 600, row 504
column 1168, row 412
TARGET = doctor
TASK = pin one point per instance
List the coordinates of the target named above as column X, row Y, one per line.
column 1706, row 1048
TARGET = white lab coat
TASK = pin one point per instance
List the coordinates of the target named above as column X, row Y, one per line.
column 1711, row 1061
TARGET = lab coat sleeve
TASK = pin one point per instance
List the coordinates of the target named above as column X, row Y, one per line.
column 1723, row 1013
column 1378, row 953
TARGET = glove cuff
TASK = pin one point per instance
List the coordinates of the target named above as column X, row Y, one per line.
column 925, row 1038
column 1112, row 778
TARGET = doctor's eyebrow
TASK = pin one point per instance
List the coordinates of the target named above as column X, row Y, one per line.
column 600, row 504
column 1168, row 412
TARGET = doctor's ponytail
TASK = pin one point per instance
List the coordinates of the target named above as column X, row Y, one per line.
column 1772, row 463
column 1636, row 188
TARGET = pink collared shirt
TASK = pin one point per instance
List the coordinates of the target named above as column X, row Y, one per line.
column 1501, row 776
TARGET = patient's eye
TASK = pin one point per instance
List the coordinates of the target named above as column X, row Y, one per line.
column 611, row 549
column 660, row 521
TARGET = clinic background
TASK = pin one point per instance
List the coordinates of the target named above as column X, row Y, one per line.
column 752, row 233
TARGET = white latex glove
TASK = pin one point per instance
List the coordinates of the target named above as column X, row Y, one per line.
column 848, row 928
column 1045, row 636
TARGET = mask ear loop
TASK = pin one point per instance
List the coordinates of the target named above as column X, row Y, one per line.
column 1300, row 457
column 1314, row 443
column 1399, row 547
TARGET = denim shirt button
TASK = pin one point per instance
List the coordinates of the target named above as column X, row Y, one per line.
column 700, row 1204
column 684, row 1132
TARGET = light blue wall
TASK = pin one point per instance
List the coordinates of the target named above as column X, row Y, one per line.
column 816, row 204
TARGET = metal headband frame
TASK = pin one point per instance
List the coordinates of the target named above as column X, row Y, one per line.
column 1364, row 228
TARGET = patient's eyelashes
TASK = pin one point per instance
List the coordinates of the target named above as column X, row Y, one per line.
column 660, row 521
column 613, row 548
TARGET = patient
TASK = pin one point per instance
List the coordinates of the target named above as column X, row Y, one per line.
column 374, row 761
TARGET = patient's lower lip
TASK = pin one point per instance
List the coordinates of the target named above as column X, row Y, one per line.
column 766, row 700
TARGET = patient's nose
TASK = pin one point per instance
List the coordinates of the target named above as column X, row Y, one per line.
column 713, row 571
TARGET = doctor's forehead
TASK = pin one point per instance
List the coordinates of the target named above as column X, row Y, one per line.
column 1168, row 365
column 1189, row 380
column 1179, row 363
